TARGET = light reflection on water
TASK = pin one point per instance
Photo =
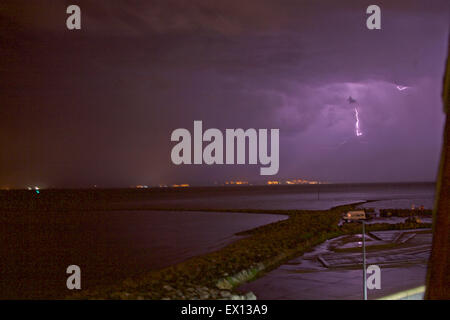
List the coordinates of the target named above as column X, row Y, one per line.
column 308, row 197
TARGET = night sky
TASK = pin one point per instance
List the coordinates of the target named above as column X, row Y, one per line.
column 97, row 106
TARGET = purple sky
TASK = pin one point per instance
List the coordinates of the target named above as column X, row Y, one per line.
column 97, row 106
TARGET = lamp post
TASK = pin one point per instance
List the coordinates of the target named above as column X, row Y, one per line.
column 364, row 260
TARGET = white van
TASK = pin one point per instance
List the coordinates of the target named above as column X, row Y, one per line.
column 355, row 215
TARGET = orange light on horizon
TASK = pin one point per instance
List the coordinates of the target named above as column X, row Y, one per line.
column 302, row 181
column 238, row 182
column 184, row 185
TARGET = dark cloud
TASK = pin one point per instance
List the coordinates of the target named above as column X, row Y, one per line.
column 97, row 106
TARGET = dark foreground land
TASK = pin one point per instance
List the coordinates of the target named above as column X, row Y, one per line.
column 211, row 275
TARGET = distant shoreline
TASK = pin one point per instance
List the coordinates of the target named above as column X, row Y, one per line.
column 226, row 187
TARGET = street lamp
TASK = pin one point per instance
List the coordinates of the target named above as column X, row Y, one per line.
column 364, row 259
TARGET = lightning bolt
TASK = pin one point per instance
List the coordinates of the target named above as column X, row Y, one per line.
column 401, row 88
column 358, row 132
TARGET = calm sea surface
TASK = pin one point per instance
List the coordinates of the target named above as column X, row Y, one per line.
column 312, row 197
column 108, row 246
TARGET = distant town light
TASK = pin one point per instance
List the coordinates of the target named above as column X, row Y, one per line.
column 238, row 182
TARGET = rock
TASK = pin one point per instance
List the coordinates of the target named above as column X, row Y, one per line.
column 130, row 283
column 250, row 296
column 225, row 294
column 168, row 288
column 224, row 284
column 204, row 296
column 200, row 290
column 214, row 292
column 237, row 297
column 124, row 295
column 115, row 295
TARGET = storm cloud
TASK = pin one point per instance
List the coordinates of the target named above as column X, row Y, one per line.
column 97, row 106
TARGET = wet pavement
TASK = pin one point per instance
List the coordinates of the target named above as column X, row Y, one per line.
column 333, row 270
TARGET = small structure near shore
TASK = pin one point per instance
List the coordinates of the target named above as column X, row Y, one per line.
column 355, row 215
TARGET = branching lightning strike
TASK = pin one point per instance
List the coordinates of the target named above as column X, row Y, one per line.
column 357, row 130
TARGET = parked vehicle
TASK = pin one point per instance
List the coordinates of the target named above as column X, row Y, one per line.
column 355, row 215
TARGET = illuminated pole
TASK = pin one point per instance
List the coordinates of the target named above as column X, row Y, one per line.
column 364, row 259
